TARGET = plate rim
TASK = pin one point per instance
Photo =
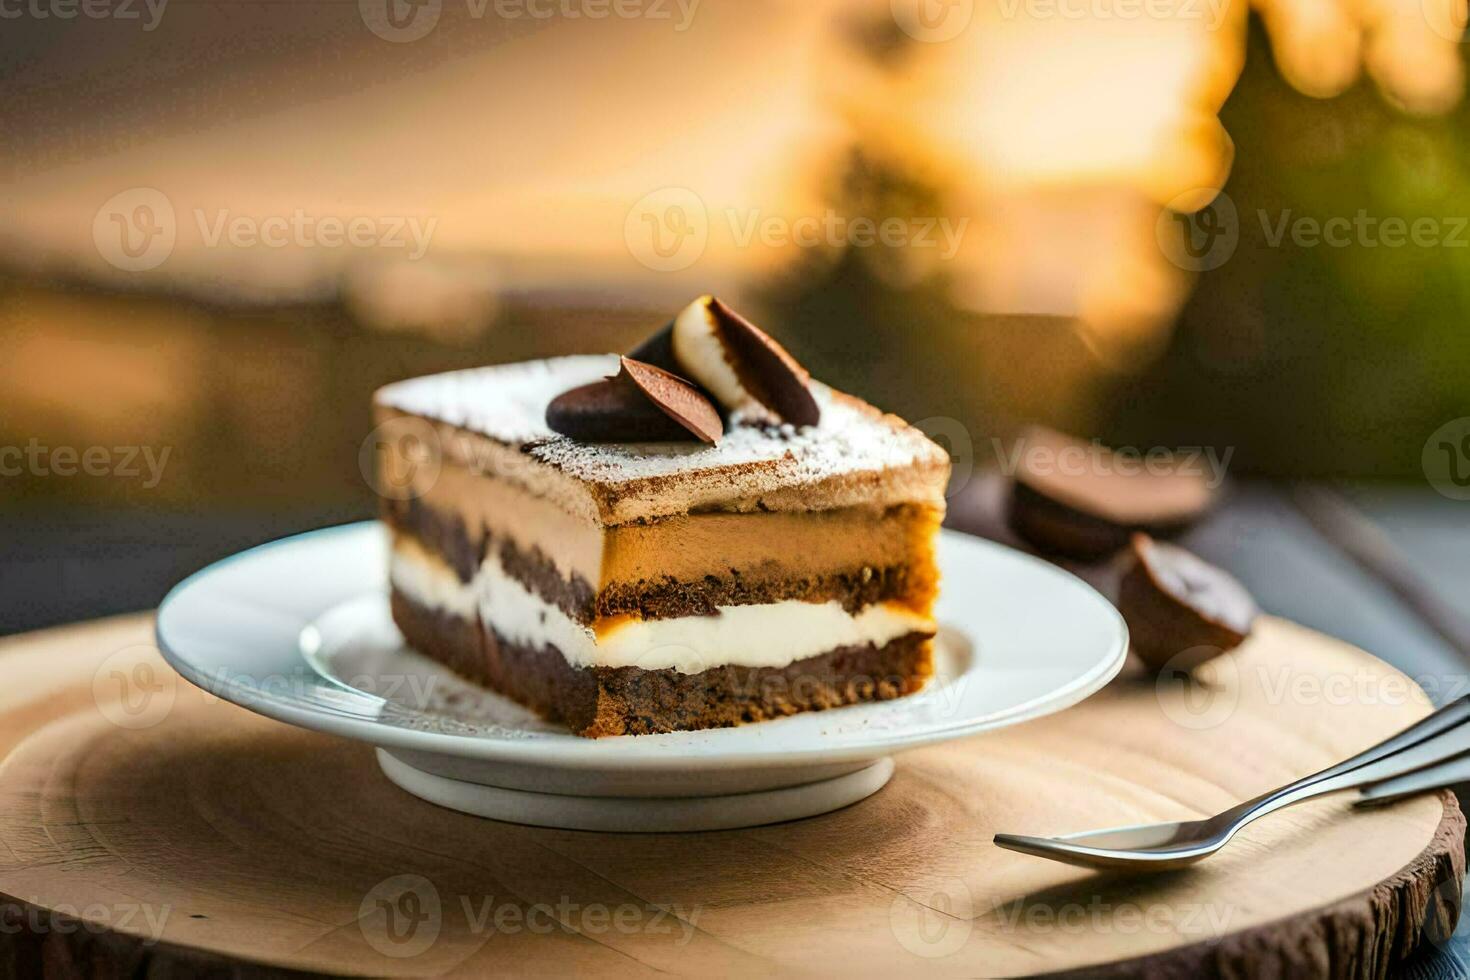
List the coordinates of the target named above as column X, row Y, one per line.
column 567, row 755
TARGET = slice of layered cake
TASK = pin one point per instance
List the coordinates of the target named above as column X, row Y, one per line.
column 692, row 537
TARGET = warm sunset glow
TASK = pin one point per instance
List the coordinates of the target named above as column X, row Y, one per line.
column 1056, row 128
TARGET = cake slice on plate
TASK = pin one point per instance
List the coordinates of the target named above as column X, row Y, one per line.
column 694, row 536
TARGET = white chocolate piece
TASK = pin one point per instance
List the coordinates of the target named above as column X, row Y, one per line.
column 700, row 352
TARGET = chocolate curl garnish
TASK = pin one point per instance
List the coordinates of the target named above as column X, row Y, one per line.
column 642, row 403
column 765, row 369
column 676, row 398
column 1180, row 609
column 1089, row 512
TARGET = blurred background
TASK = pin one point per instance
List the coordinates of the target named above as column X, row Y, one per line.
column 1155, row 222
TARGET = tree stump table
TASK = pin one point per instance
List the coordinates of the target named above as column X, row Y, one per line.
column 147, row 828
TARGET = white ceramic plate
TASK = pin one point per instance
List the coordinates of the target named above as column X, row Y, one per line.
column 299, row 630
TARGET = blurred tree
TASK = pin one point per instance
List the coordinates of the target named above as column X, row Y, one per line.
column 1320, row 351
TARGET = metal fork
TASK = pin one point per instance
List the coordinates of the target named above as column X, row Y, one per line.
column 1432, row 753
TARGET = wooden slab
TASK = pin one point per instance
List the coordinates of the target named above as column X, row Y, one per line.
column 148, row 827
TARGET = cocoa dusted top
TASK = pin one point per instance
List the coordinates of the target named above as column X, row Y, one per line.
column 642, row 403
column 494, row 420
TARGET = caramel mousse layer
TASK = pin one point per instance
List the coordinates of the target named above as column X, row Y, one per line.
column 677, row 566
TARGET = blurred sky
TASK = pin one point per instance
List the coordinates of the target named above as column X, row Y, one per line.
column 1056, row 127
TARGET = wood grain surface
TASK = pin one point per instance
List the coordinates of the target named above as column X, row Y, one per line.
column 149, row 828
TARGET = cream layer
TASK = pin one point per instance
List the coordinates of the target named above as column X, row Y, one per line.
column 769, row 635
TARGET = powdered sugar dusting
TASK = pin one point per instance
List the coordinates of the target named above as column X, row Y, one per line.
column 508, row 403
